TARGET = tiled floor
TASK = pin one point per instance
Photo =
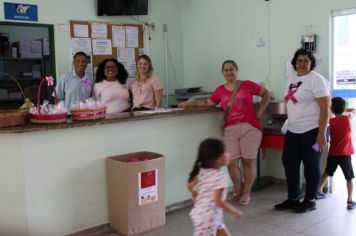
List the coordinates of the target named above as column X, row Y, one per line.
column 331, row 217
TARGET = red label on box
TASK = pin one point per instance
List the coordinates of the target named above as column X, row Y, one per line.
column 148, row 179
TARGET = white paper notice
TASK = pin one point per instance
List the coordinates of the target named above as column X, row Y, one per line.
column 81, row 31
column 131, row 37
column 99, row 30
column 130, row 66
column 118, row 36
column 147, row 187
column 126, row 54
column 80, row 45
column 102, row 47
column 161, row 110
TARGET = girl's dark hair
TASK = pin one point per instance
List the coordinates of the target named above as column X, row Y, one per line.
column 231, row 62
column 121, row 71
column 209, row 151
column 302, row 51
column 338, row 105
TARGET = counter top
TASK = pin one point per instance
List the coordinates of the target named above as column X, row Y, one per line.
column 109, row 119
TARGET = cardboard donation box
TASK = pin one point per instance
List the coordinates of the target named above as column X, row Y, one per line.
column 136, row 198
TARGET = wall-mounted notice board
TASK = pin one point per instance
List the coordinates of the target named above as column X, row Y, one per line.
column 101, row 40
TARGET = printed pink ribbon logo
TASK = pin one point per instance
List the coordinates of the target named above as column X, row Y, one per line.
column 290, row 95
column 87, row 82
column 293, row 88
column 49, row 80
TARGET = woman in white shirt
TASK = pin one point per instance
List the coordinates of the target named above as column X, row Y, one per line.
column 307, row 98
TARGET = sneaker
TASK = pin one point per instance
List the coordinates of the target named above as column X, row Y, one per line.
column 287, row 205
column 320, row 195
column 351, row 205
column 305, row 206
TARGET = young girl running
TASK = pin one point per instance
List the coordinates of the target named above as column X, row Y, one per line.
column 208, row 185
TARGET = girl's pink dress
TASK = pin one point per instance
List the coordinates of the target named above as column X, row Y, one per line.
column 206, row 216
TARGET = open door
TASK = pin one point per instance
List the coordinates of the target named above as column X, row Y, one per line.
column 343, row 65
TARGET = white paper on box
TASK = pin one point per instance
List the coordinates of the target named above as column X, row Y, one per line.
column 147, row 187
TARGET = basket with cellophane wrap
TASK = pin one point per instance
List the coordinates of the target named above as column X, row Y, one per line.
column 87, row 109
column 39, row 115
column 15, row 117
column 88, row 114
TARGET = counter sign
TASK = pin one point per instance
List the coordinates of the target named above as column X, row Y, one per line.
column 19, row 11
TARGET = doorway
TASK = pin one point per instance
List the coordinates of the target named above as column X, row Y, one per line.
column 343, row 59
column 26, row 55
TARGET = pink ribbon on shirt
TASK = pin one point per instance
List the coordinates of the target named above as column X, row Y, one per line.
column 84, row 83
column 290, row 95
column 87, row 82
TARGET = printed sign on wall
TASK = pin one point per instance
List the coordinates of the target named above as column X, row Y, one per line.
column 147, row 187
column 20, row 11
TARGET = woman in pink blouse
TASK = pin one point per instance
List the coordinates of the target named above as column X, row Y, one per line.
column 111, row 87
column 147, row 89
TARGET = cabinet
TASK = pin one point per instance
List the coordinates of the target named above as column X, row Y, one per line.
column 28, row 73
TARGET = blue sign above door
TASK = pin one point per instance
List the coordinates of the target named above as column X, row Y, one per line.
column 20, row 11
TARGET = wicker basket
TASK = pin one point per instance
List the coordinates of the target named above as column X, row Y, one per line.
column 13, row 117
column 88, row 114
column 39, row 118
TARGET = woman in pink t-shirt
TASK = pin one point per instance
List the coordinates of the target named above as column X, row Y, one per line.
column 110, row 87
column 147, row 89
column 242, row 134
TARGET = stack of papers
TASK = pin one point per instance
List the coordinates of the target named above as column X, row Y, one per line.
column 161, row 110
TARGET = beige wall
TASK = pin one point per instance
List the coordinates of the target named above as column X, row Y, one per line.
column 13, row 218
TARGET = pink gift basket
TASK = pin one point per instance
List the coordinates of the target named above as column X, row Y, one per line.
column 87, row 109
column 47, row 116
column 88, row 114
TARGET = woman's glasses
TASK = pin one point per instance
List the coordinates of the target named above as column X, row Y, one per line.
column 305, row 61
column 110, row 67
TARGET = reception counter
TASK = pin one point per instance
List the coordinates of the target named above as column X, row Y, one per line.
column 53, row 177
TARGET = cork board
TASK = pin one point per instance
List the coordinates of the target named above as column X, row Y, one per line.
column 87, row 25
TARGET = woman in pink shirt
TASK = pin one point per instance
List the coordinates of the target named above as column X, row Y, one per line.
column 147, row 89
column 110, row 87
column 242, row 134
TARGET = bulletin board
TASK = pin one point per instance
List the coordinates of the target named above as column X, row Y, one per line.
column 124, row 46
